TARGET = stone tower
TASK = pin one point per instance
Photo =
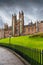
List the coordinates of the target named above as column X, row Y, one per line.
column 6, row 26
column 21, row 19
column 14, row 19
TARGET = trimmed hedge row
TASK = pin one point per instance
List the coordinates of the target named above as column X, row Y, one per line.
column 37, row 35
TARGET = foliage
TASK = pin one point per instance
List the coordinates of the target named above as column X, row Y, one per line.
column 25, row 46
column 26, row 41
column 37, row 35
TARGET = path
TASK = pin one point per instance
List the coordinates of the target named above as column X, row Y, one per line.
column 8, row 58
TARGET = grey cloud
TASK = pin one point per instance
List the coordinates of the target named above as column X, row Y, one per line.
column 19, row 2
column 33, row 9
column 1, row 23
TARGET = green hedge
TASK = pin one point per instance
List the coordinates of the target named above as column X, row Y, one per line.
column 37, row 35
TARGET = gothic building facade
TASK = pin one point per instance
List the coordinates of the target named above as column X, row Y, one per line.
column 18, row 28
column 18, row 25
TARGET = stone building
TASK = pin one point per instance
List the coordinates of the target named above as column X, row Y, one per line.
column 18, row 25
column 7, row 31
column 1, row 33
column 30, row 29
column 18, row 28
column 40, row 26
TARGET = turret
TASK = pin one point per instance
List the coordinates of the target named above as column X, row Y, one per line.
column 6, row 26
column 21, row 19
column 14, row 20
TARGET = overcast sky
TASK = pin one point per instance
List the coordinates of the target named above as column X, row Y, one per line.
column 33, row 10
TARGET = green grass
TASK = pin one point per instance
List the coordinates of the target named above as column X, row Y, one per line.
column 34, row 42
column 24, row 45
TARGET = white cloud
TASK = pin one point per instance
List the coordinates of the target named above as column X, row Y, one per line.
column 30, row 13
column 5, row 18
column 29, row 18
column 6, row 13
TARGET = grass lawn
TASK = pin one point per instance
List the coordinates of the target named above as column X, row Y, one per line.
column 23, row 43
column 34, row 42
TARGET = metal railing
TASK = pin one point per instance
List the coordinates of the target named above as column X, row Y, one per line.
column 34, row 56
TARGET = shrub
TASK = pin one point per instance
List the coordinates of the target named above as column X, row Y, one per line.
column 37, row 35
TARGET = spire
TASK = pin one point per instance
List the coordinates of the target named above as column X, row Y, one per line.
column 14, row 14
column 22, row 12
column 31, row 22
column 19, row 12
